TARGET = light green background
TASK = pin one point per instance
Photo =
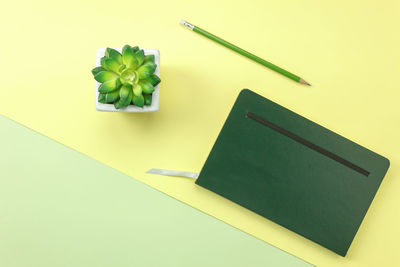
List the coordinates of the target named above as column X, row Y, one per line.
column 60, row 208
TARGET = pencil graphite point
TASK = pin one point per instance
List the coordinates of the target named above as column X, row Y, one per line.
column 186, row 24
column 302, row 81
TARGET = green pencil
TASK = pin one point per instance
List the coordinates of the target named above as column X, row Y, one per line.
column 244, row 53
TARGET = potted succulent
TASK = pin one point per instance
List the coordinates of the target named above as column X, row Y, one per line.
column 127, row 79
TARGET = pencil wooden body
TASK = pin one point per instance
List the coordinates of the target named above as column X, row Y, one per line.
column 248, row 54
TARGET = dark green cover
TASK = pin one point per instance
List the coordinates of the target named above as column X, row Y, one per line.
column 293, row 171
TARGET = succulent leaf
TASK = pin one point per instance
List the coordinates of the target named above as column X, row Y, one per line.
column 139, row 55
column 148, row 58
column 125, row 48
column 153, row 79
column 146, row 70
column 112, row 96
column 125, row 95
column 109, row 86
column 128, row 57
column 110, row 64
column 147, row 99
column 147, row 87
column 104, row 76
column 114, row 54
column 135, row 49
column 103, row 62
column 128, row 100
column 124, row 92
column 118, row 104
column 121, row 68
column 102, row 98
column 137, row 90
column 138, row 100
column 97, row 70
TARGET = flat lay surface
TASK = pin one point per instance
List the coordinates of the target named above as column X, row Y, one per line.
column 348, row 50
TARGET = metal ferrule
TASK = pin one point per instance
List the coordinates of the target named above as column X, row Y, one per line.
column 186, row 24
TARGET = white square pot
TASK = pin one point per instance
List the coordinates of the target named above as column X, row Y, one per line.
column 131, row 108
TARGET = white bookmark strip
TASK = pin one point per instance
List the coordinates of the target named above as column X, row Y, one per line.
column 174, row 173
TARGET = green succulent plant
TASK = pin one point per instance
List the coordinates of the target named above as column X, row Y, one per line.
column 126, row 78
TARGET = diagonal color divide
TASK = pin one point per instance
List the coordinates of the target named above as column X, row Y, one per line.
column 60, row 208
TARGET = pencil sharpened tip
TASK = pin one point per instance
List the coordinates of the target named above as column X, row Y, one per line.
column 302, row 81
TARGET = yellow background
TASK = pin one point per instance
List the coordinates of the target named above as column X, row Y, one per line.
column 348, row 50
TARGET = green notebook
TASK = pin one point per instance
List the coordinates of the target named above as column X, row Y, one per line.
column 60, row 208
column 293, row 171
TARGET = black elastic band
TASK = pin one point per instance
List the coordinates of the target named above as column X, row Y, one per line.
column 307, row 143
